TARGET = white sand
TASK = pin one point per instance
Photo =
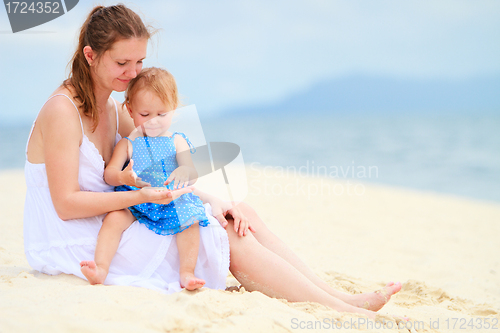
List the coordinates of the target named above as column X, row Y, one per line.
column 445, row 250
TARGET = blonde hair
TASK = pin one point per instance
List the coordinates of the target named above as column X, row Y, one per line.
column 104, row 26
column 158, row 81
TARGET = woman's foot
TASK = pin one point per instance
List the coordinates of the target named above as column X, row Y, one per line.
column 191, row 282
column 93, row 273
column 376, row 300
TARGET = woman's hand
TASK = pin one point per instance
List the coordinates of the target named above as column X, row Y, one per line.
column 222, row 209
column 163, row 197
column 180, row 177
column 130, row 178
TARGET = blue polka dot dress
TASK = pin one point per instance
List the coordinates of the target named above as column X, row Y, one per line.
column 154, row 160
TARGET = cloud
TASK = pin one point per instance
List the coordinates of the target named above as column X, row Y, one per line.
column 227, row 53
column 266, row 49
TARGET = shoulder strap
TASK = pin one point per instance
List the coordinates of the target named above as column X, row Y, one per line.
column 78, row 112
column 192, row 149
column 33, row 126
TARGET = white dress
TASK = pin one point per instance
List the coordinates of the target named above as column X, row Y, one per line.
column 143, row 259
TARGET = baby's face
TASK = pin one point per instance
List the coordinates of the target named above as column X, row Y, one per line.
column 150, row 114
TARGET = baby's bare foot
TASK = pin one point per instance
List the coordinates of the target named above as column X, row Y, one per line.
column 93, row 273
column 191, row 282
column 376, row 300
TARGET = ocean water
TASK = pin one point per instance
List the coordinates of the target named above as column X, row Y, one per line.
column 457, row 154
column 13, row 146
column 454, row 154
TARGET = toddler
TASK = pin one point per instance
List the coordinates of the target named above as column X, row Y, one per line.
column 156, row 158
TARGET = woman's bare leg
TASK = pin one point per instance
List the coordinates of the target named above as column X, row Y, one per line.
column 108, row 239
column 259, row 269
column 188, row 244
column 373, row 301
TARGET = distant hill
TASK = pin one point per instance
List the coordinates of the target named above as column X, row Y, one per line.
column 380, row 94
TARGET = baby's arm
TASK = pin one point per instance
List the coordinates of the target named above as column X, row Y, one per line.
column 114, row 175
column 185, row 174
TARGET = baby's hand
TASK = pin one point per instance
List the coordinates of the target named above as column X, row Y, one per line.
column 130, row 178
column 180, row 177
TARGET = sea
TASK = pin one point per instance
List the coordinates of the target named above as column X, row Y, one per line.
column 456, row 154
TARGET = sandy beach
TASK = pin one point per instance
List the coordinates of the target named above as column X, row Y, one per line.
column 357, row 237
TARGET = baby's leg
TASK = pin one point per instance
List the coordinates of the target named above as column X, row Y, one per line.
column 108, row 239
column 188, row 243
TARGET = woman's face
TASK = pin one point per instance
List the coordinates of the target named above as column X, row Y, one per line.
column 120, row 64
column 151, row 116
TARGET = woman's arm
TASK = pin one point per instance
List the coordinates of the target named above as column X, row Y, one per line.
column 61, row 138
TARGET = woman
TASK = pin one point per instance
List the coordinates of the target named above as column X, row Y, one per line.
column 72, row 140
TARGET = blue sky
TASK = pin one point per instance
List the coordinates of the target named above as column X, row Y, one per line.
column 230, row 53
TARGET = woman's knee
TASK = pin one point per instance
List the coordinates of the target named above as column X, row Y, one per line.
column 241, row 246
column 245, row 252
column 244, row 207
